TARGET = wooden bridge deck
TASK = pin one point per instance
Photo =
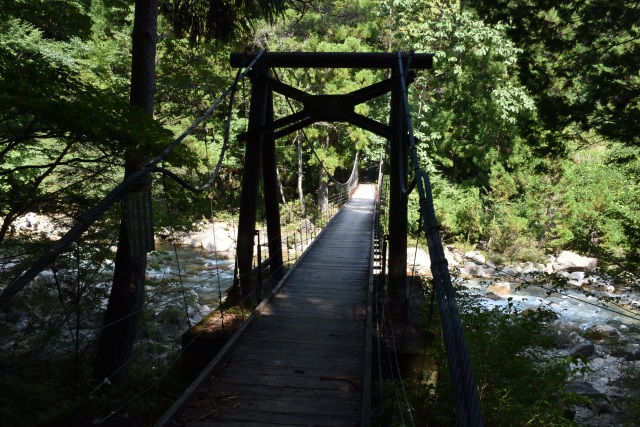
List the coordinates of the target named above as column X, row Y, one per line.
column 302, row 359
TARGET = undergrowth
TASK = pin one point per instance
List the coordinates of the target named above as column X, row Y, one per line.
column 520, row 380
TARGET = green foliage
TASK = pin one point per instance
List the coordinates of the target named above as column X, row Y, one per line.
column 459, row 209
column 222, row 20
column 467, row 111
column 60, row 20
column 581, row 61
column 508, row 349
column 61, row 138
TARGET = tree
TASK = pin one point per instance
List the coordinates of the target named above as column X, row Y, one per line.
column 60, row 133
column 469, row 109
column 199, row 19
column 580, row 59
column 127, row 292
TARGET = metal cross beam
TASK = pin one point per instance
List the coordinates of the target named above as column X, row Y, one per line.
column 331, row 108
column 419, row 61
column 263, row 130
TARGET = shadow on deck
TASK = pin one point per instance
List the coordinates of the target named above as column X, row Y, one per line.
column 303, row 359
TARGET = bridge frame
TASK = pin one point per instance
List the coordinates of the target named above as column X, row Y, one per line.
column 263, row 130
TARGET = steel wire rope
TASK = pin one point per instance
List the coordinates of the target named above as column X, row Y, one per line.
column 459, row 363
column 394, row 363
column 379, row 347
column 226, row 138
column 217, row 270
column 466, row 392
column 110, row 199
column 175, row 250
column 67, row 315
column 78, row 311
column 413, row 275
column 403, row 75
column 107, row 380
column 376, row 299
column 140, row 394
column 383, row 328
column 147, row 336
column 155, row 383
column 167, row 369
column 144, row 391
column 379, row 298
column 427, row 328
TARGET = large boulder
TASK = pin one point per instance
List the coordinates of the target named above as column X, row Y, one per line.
column 420, row 258
column 217, row 240
column 571, row 262
column 585, row 350
column 499, row 288
column 601, row 332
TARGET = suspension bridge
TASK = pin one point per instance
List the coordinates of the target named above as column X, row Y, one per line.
column 304, row 358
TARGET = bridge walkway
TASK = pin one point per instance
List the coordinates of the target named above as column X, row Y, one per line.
column 301, row 361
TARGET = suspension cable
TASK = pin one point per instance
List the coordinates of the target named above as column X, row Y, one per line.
column 468, row 408
column 109, row 200
column 175, row 252
column 223, row 150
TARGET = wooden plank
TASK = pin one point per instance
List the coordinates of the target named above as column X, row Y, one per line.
column 301, row 361
column 241, row 418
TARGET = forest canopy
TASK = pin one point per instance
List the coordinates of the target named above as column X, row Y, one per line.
column 519, row 97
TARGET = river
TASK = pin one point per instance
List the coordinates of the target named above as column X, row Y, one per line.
column 571, row 306
column 201, row 272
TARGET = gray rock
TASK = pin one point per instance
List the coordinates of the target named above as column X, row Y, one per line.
column 570, row 262
column 216, row 240
column 600, row 332
column 585, row 350
column 451, row 259
column 582, row 388
column 420, row 258
column 576, row 278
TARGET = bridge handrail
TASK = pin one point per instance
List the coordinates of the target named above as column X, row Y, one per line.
column 468, row 408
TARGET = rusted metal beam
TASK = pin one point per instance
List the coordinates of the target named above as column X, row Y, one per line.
column 270, row 188
column 250, row 184
column 398, row 200
column 376, row 60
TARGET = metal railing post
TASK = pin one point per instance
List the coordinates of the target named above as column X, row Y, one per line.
column 259, row 284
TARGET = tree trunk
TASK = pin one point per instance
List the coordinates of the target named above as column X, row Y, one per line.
column 323, row 191
column 115, row 347
column 284, row 200
column 323, row 186
column 303, row 206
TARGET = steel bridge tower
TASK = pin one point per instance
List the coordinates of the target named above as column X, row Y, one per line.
column 263, row 130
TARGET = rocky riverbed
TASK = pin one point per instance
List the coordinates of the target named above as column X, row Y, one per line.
column 597, row 326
